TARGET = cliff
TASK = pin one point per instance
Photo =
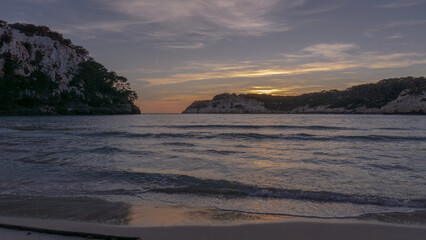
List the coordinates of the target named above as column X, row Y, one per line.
column 389, row 96
column 43, row 73
column 228, row 104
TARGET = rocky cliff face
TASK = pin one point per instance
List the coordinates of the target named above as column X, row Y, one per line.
column 41, row 73
column 406, row 103
column 58, row 61
column 391, row 96
column 228, row 104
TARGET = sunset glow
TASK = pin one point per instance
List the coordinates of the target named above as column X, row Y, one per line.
column 213, row 119
column 175, row 52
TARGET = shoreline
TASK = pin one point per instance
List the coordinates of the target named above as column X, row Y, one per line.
column 82, row 218
column 301, row 113
column 168, row 215
column 292, row 228
column 82, row 209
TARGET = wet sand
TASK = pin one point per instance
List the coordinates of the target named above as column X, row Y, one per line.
column 158, row 222
column 159, row 215
column 290, row 229
column 75, row 209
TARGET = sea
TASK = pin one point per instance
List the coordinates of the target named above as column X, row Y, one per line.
column 307, row 165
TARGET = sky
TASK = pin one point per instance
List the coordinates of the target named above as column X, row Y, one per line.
column 176, row 51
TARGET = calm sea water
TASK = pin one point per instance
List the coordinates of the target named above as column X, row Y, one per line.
column 304, row 165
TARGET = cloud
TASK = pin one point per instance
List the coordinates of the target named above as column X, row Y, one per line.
column 258, row 72
column 323, row 50
column 39, row 1
column 341, row 56
column 401, row 4
column 395, row 24
column 189, row 24
column 186, row 46
column 395, row 36
column 246, row 17
column 322, row 57
column 318, row 10
column 113, row 27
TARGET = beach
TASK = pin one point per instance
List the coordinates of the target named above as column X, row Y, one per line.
column 297, row 229
column 186, row 223
column 213, row 177
column 212, row 120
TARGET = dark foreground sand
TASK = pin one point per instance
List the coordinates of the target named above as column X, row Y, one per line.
column 95, row 216
column 290, row 229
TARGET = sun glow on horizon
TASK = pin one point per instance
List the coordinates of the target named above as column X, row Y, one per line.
column 265, row 90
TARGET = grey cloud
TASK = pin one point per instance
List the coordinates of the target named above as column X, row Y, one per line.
column 193, row 22
column 401, row 23
column 196, row 45
column 324, row 51
column 317, row 10
column 39, row 1
column 400, row 4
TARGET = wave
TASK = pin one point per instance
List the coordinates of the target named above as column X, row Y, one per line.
column 311, row 137
column 102, row 133
column 313, row 127
column 209, row 151
column 314, row 196
column 106, row 150
column 183, row 184
column 227, row 135
column 383, row 138
column 8, row 131
column 391, row 167
column 220, row 152
column 393, row 128
column 44, row 128
column 179, row 144
column 138, row 135
column 258, row 136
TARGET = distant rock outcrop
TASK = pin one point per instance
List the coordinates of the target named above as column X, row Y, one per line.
column 228, row 103
column 43, row 73
column 389, row 96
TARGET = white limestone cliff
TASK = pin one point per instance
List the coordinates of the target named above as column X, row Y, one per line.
column 46, row 74
column 406, row 102
column 230, row 104
column 58, row 61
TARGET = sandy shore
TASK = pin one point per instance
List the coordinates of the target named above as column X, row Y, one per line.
column 290, row 229
column 147, row 222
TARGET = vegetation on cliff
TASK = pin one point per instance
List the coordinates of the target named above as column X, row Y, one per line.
column 43, row 31
column 367, row 96
column 372, row 95
column 92, row 90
